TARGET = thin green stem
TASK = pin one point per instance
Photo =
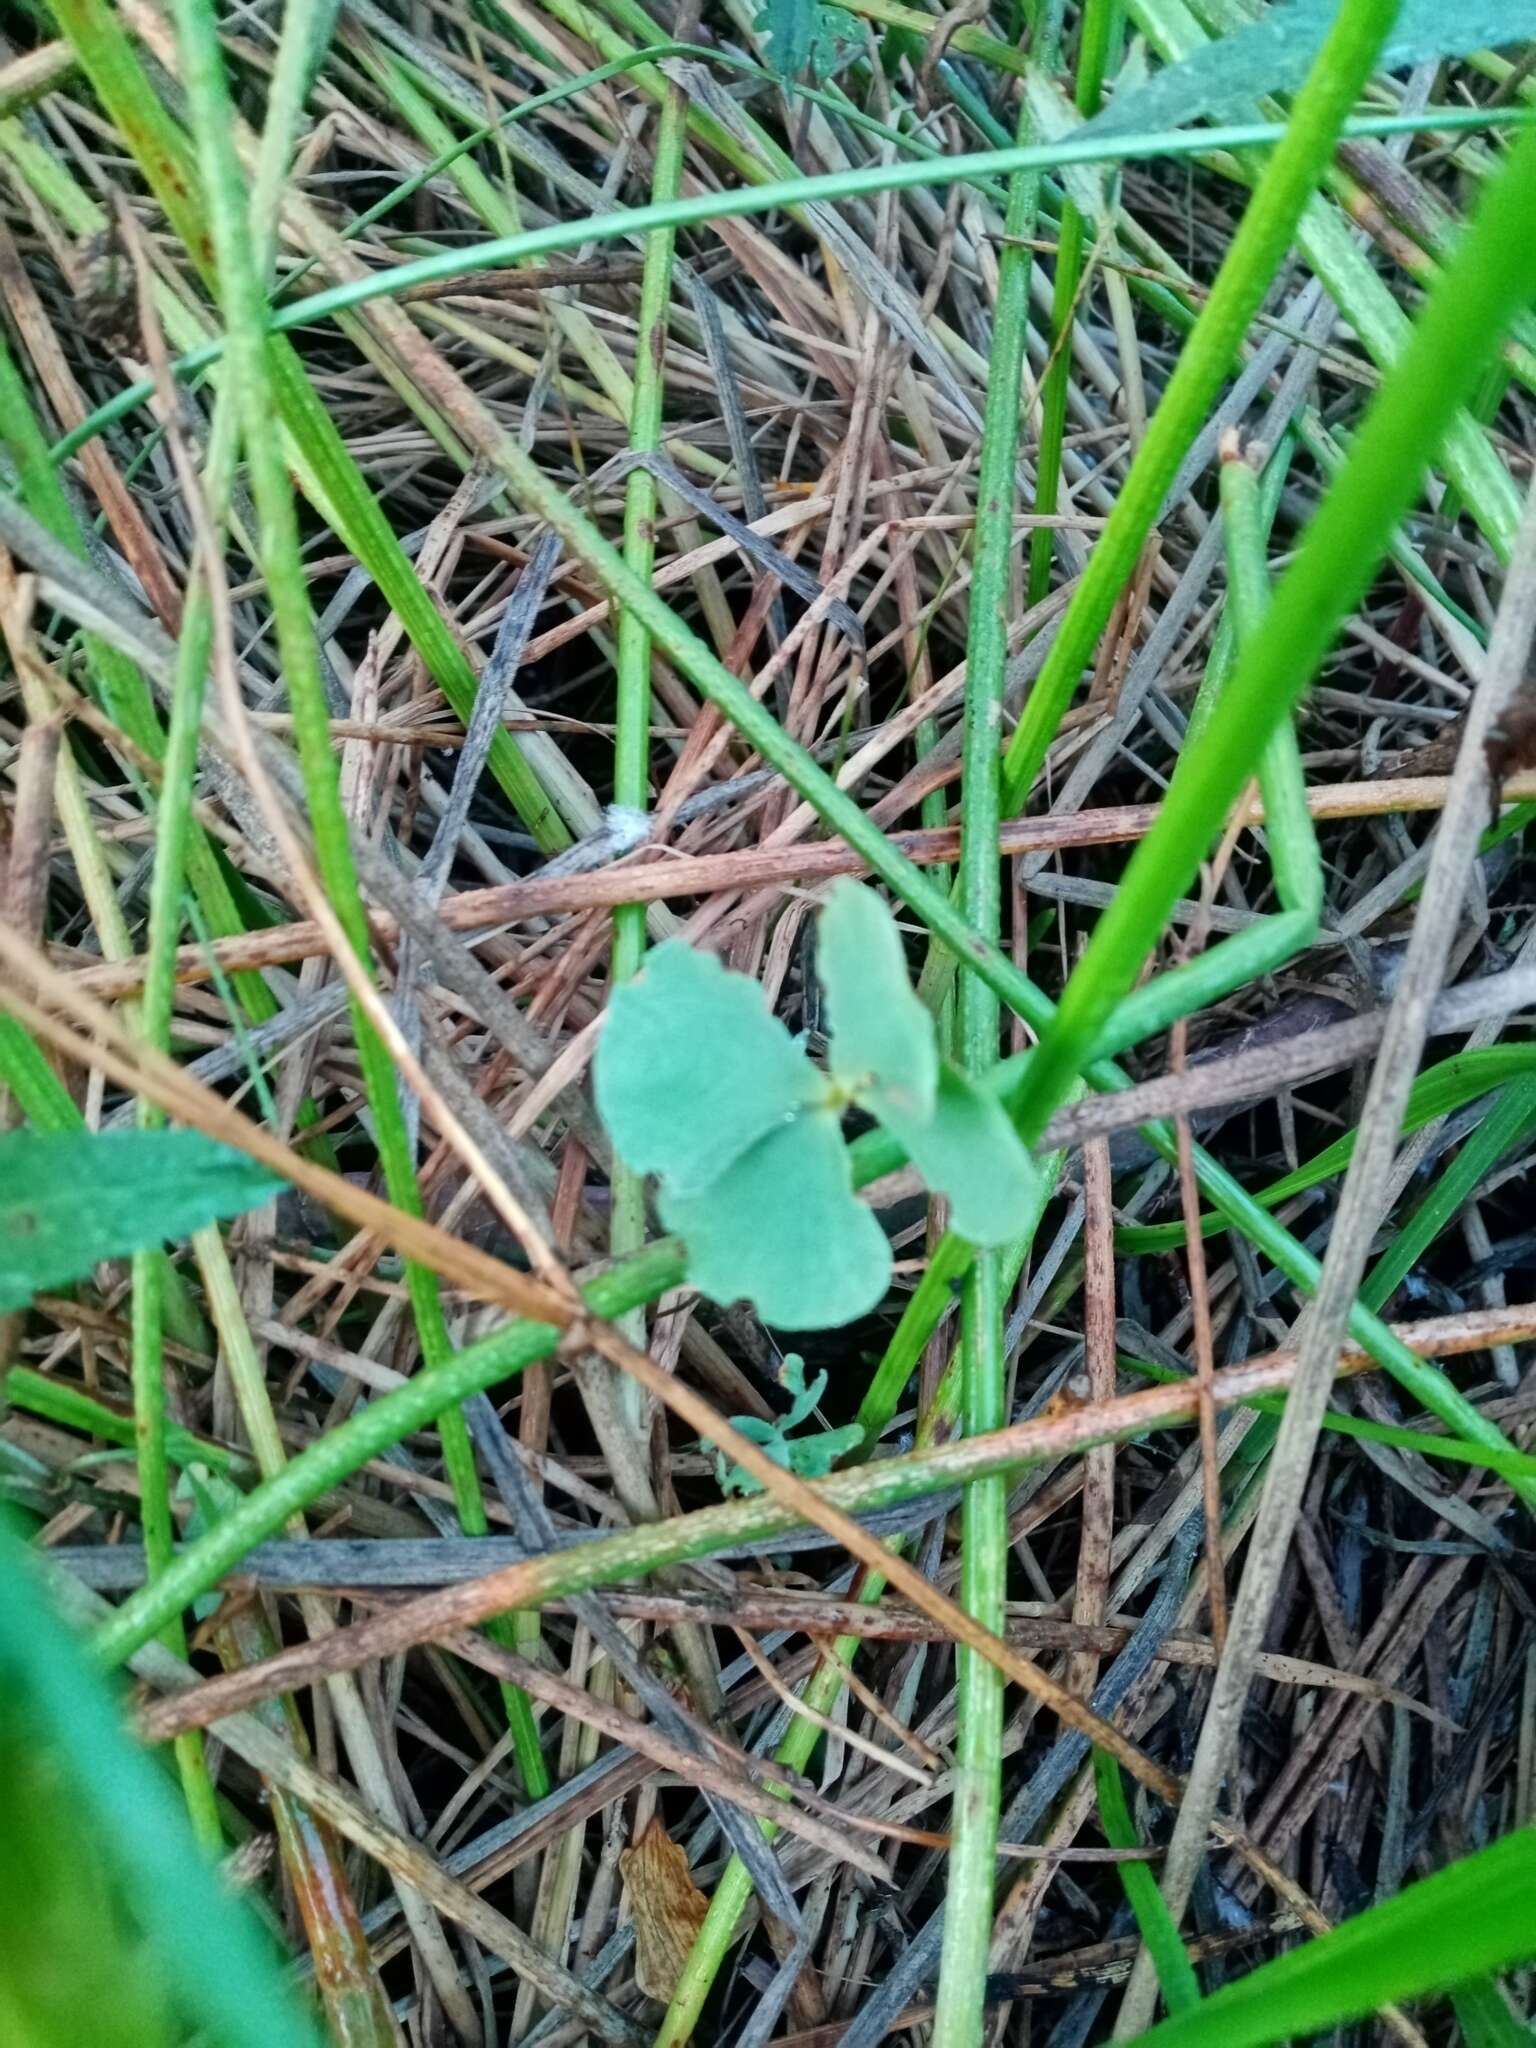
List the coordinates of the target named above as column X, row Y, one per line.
column 649, row 1547
column 298, row 59
column 1253, row 257
column 1098, row 24
column 700, row 208
column 1494, row 273
column 632, row 738
column 1288, row 826
column 173, row 827
column 282, row 562
column 734, row 1890
column 977, row 1793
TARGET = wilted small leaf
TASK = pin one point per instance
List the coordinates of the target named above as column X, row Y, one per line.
column 668, row 1906
column 882, row 1042
column 210, row 1497
column 968, row 1150
column 70, row 1198
column 781, row 1229
column 691, row 1069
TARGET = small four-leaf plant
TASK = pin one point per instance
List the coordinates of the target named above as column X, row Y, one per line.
column 810, row 1457
column 701, row 1086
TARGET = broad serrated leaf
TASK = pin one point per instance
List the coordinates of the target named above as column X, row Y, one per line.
column 882, row 1045
column 967, row 1149
column 781, row 1228
column 70, row 1198
column 838, row 40
column 1222, row 80
column 691, row 1069
column 801, row 36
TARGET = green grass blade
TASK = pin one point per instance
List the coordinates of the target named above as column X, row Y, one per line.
column 984, row 1536
column 44, row 1100
column 1508, row 1123
column 1438, row 1091
column 1493, row 275
column 1248, row 268
column 974, row 167
column 1456, row 1925
column 1175, row 1972
column 632, row 737
column 1486, row 2020
column 225, row 1978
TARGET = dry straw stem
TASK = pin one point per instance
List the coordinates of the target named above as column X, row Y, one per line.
column 437, row 1616
column 1090, row 1598
column 1323, row 1325
column 663, row 874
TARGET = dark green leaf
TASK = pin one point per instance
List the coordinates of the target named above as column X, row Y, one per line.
column 69, row 1198
column 967, row 1149
column 691, row 1069
column 781, row 1229
column 1485, row 2016
column 882, row 1043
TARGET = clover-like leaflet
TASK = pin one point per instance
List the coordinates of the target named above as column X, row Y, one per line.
column 701, row 1086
